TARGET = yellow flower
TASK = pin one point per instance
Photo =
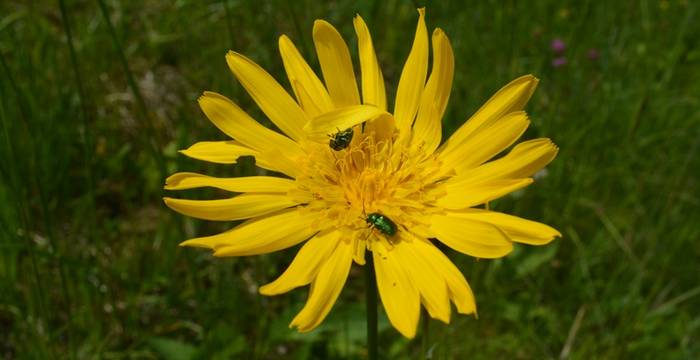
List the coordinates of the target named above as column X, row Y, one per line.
column 394, row 166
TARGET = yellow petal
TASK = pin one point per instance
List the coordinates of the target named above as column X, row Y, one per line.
column 341, row 118
column 272, row 99
column 423, row 272
column 277, row 160
column 314, row 98
column 383, row 127
column 236, row 208
column 188, row 180
column 427, row 130
column 261, row 235
column 512, row 97
column 399, row 295
column 486, row 143
column 459, row 291
column 524, row 160
column 227, row 152
column 336, row 65
column 470, row 237
column 306, row 101
column 234, row 122
column 306, row 264
column 518, row 229
column 412, row 79
column 221, row 152
column 360, row 247
column 325, row 288
column 462, row 194
column 373, row 91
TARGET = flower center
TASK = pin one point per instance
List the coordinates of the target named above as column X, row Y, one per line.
column 370, row 176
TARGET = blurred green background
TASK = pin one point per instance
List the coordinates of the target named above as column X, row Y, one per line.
column 90, row 267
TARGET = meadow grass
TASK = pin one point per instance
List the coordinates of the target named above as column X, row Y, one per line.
column 96, row 97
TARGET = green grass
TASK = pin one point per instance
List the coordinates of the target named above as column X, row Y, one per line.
column 90, row 267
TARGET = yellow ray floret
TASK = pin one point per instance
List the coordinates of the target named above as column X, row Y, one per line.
column 336, row 65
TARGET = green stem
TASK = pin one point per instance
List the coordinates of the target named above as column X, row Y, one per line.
column 88, row 140
column 87, row 145
column 371, row 301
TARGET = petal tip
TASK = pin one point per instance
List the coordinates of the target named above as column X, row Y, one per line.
column 318, row 23
column 358, row 22
column 322, row 30
column 532, row 81
column 233, row 59
column 190, row 243
column 284, row 41
column 410, row 334
column 265, row 290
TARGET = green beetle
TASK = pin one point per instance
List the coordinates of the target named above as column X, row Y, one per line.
column 381, row 222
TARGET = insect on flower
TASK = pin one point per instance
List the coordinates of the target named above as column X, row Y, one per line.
column 382, row 223
column 341, row 139
column 396, row 166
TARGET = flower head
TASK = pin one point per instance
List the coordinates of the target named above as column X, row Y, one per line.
column 359, row 180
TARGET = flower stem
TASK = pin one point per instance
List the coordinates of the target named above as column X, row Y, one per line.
column 371, row 302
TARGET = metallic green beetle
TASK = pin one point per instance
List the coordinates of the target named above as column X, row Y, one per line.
column 381, row 222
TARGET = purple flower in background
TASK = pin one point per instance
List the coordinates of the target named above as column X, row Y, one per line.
column 593, row 54
column 558, row 45
column 559, row 62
